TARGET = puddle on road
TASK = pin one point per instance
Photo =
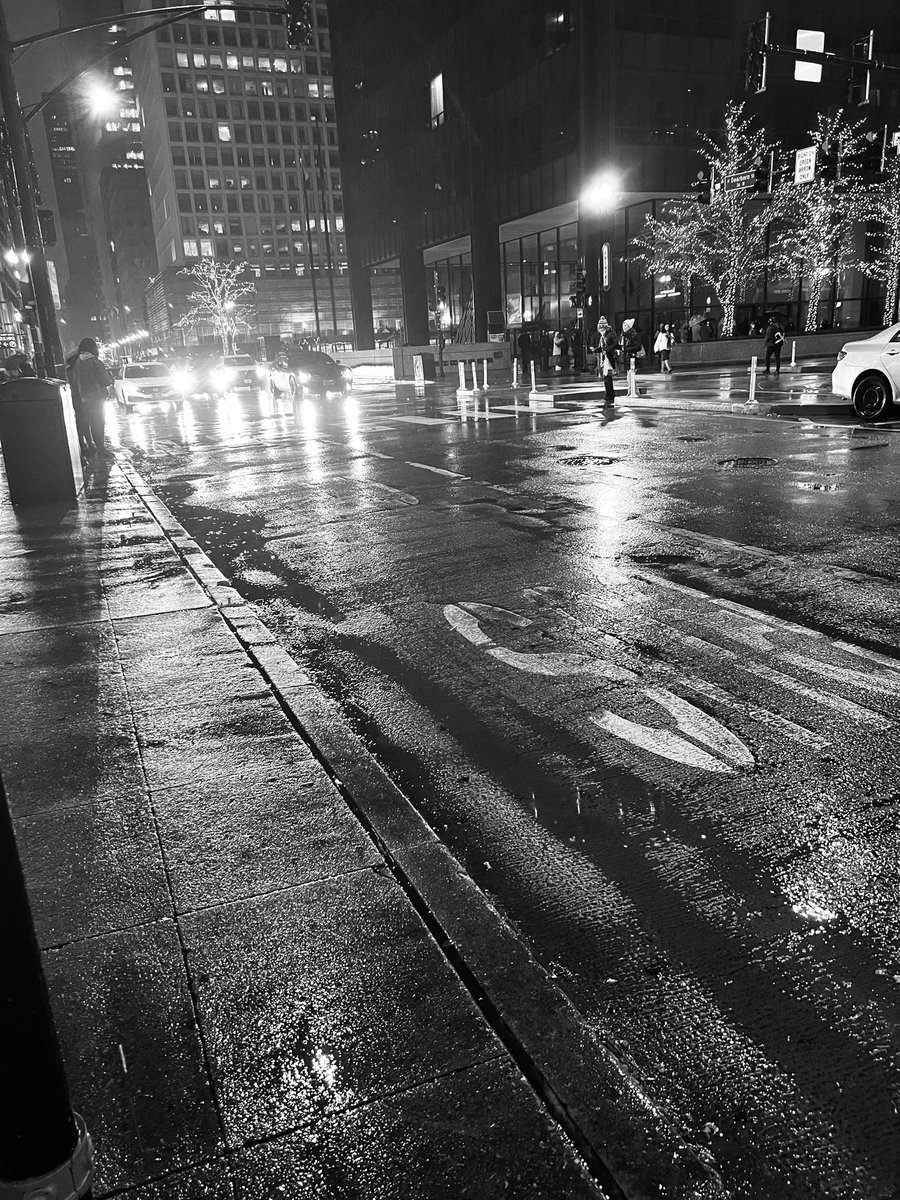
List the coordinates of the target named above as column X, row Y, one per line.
column 738, row 464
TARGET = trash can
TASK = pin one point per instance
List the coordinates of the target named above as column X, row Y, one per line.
column 423, row 368
column 39, row 440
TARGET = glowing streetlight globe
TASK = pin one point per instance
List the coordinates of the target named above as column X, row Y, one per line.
column 602, row 192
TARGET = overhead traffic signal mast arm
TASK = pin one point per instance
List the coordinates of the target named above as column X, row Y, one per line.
column 825, row 56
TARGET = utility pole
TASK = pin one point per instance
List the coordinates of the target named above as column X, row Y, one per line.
column 51, row 345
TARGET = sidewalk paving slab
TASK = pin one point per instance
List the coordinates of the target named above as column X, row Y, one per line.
column 253, row 992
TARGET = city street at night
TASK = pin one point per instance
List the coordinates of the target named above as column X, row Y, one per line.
column 638, row 670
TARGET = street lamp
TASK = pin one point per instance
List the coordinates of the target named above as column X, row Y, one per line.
column 603, row 192
column 597, row 203
column 102, row 100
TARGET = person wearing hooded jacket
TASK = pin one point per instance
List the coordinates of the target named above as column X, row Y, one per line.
column 91, row 380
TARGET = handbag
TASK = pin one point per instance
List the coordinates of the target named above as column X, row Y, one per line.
column 640, row 352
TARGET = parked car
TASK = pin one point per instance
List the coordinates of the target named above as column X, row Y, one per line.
column 868, row 373
column 299, row 371
column 148, row 384
column 235, row 373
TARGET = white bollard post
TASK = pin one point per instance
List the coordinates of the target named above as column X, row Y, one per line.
column 533, row 377
column 633, row 393
column 485, row 383
column 462, row 376
column 753, row 368
column 515, row 373
column 474, row 376
column 794, row 353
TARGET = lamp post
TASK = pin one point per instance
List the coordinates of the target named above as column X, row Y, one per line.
column 596, row 211
column 30, row 235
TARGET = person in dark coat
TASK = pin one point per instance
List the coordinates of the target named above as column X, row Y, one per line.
column 92, row 381
column 607, row 357
column 773, row 343
column 546, row 349
column 524, row 343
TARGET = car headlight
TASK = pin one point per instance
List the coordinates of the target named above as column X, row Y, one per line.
column 346, row 373
column 841, row 354
column 260, row 371
column 303, row 376
column 221, row 377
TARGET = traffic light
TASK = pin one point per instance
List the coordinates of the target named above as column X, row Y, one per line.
column 860, row 90
column 764, row 172
column 757, row 46
column 702, row 187
column 874, row 151
column 827, row 162
column 578, row 289
column 298, row 23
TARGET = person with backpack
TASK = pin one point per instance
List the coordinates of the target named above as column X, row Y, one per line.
column 91, row 380
column 773, row 344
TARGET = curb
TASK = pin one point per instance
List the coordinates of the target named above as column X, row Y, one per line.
column 632, row 1147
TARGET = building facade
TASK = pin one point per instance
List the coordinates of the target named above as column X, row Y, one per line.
column 242, row 161
column 471, row 133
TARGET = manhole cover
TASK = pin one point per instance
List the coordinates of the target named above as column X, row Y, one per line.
column 738, row 464
column 692, row 438
column 585, row 460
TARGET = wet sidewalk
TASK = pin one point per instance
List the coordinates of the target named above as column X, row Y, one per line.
column 269, row 977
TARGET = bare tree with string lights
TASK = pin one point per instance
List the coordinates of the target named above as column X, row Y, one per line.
column 217, row 300
column 815, row 238
column 724, row 243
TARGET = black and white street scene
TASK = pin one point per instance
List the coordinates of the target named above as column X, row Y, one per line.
column 450, row 600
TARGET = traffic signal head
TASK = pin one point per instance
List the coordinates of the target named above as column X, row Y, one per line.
column 298, row 23
column 763, row 172
column 757, row 45
column 702, row 187
column 578, row 288
column 874, row 151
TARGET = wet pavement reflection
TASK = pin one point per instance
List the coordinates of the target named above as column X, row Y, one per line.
column 640, row 671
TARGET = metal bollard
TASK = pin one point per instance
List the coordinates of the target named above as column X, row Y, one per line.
column 45, row 1148
column 485, row 383
column 462, row 376
column 515, row 379
column 753, row 369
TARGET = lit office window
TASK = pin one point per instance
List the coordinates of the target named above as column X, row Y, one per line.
column 436, row 89
column 224, row 133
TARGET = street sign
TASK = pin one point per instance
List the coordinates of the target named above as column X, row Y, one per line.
column 605, row 271
column 805, row 165
column 740, row 180
column 895, row 140
column 809, row 39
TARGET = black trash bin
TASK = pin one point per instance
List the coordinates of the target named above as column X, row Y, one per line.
column 39, row 440
column 423, row 368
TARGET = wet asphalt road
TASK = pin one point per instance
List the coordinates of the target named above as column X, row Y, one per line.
column 641, row 673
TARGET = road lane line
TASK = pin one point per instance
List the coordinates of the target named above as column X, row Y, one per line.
column 764, row 716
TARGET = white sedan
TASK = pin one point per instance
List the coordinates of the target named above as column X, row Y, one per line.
column 868, row 373
column 148, row 384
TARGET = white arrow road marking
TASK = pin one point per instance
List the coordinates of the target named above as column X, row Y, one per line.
column 662, row 743
column 797, row 733
column 438, row 470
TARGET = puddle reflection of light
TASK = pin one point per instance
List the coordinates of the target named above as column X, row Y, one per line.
column 308, row 416
column 812, row 911
column 230, row 418
column 354, row 432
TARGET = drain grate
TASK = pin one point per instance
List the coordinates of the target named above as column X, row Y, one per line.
column 739, row 464
column 585, row 460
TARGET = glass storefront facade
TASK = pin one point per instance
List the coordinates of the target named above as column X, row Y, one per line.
column 538, row 278
column 448, row 286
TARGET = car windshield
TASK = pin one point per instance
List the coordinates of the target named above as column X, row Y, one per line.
column 145, row 371
column 238, row 360
column 311, row 358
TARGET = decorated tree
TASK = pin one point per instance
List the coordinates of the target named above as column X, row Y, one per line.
column 816, row 235
column 883, row 209
column 216, row 301
column 724, row 243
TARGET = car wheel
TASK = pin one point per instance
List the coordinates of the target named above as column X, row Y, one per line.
column 872, row 397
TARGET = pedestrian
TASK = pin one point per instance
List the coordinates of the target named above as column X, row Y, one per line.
column 524, row 343
column 93, row 381
column 773, row 343
column 546, row 349
column 560, row 351
column 631, row 342
column 607, row 354
column 662, row 346
column 88, row 449
column 17, row 366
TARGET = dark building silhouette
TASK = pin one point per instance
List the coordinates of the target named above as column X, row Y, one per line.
column 470, row 132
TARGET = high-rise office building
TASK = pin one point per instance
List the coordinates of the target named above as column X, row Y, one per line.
column 242, row 164
column 82, row 298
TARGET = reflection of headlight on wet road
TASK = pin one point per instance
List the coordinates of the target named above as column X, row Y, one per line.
column 222, row 379
column 260, row 371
